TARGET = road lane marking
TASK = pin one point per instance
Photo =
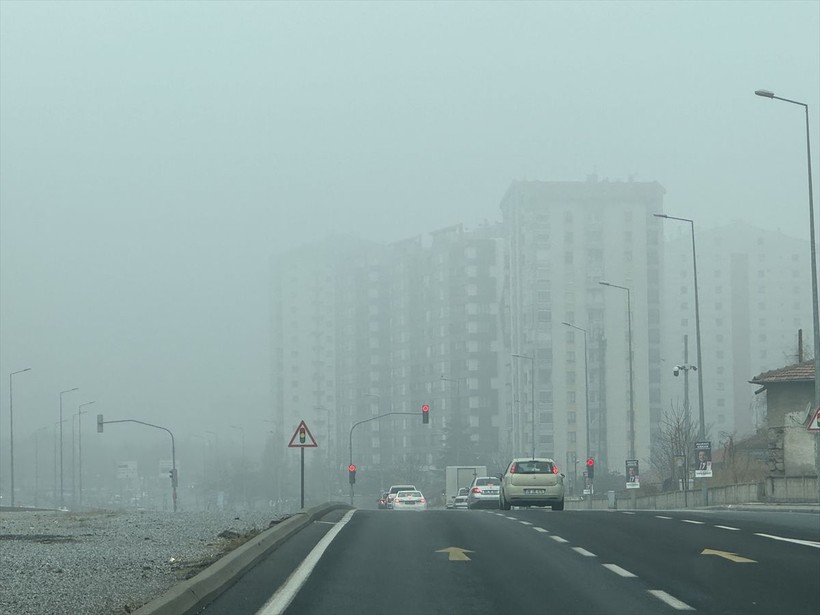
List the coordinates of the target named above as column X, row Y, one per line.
column 626, row 512
column 525, row 523
column 728, row 527
column 558, row 539
column 797, row 541
column 670, row 600
column 583, row 552
column 734, row 557
column 513, row 518
column 541, row 529
column 618, row 570
column 285, row 594
column 691, row 521
column 662, row 517
column 456, row 554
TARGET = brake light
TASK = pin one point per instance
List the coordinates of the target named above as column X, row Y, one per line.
column 555, row 469
column 396, row 501
column 476, row 490
column 422, row 501
column 512, row 469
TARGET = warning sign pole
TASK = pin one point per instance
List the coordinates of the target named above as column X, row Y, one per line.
column 302, row 439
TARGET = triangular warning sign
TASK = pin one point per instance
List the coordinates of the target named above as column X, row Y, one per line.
column 814, row 423
column 302, row 438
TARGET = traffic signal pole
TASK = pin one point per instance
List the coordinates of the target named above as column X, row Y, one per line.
column 356, row 424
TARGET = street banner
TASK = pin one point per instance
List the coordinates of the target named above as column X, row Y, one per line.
column 703, row 459
column 633, row 474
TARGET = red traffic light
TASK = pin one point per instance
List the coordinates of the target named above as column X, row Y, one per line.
column 351, row 468
column 425, row 408
column 590, row 462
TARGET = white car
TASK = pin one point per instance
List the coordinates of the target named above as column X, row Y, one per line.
column 532, row 482
column 409, row 500
column 460, row 500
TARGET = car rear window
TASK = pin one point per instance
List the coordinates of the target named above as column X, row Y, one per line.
column 486, row 481
column 402, row 488
column 531, row 467
column 409, row 494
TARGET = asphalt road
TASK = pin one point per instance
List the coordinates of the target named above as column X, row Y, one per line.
column 536, row 561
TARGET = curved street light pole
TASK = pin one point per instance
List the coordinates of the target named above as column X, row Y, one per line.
column 11, row 428
column 631, row 371
column 814, row 293
column 701, row 415
column 62, row 489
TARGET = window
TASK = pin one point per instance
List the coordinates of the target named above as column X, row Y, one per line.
column 571, row 417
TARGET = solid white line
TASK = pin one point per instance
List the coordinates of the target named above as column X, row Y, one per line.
column 662, row 517
column 540, row 529
column 797, row 541
column 583, row 551
column 728, row 527
column 285, row 594
column 558, row 539
column 618, row 570
column 670, row 600
column 691, row 521
column 525, row 523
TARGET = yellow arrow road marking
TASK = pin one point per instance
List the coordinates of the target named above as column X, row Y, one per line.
column 456, row 554
column 730, row 556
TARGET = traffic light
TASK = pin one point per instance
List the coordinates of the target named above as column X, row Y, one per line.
column 425, row 413
column 351, row 473
column 590, row 468
column 302, row 435
column 172, row 474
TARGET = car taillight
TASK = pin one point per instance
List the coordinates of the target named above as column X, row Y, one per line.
column 396, row 501
column 422, row 501
column 555, row 469
column 476, row 490
column 512, row 469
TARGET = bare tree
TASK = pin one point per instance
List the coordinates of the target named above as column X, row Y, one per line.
column 676, row 436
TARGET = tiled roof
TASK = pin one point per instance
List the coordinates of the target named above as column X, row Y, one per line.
column 800, row 372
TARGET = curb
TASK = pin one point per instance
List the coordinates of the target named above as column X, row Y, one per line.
column 191, row 596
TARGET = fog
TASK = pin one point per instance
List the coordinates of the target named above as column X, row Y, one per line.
column 155, row 158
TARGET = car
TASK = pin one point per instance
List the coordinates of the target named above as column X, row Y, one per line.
column 484, row 492
column 382, row 501
column 460, row 500
column 394, row 489
column 532, row 481
column 409, row 500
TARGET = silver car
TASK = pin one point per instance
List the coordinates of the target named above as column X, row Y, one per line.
column 460, row 500
column 484, row 493
column 532, row 482
column 409, row 500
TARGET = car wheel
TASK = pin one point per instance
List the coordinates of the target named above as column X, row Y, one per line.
column 559, row 505
column 502, row 503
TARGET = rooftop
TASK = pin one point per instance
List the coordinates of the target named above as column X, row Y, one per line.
column 799, row 372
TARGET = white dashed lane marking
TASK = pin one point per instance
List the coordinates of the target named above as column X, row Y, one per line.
column 662, row 517
column 558, row 539
column 727, row 527
column 525, row 523
column 691, row 521
column 541, row 529
column 583, row 552
column 619, row 571
column 670, row 600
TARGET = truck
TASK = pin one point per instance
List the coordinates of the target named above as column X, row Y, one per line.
column 458, row 477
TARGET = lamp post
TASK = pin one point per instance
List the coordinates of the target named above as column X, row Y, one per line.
column 631, row 370
column 80, row 413
column 814, row 298
column 586, row 396
column 37, row 464
column 532, row 393
column 11, row 427
column 701, row 418
column 457, row 409
column 244, row 469
column 62, row 490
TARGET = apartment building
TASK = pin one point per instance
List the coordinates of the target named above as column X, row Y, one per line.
column 564, row 239
column 754, row 288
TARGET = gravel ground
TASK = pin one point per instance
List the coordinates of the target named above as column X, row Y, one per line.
column 103, row 563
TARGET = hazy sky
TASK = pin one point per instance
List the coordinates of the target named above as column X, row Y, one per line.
column 154, row 156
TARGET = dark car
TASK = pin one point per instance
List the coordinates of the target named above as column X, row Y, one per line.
column 383, row 500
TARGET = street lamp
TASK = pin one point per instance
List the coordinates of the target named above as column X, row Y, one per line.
column 62, row 490
column 586, row 382
column 631, row 370
column 37, row 464
column 244, row 469
column 814, row 298
column 701, row 418
column 80, row 413
column 532, row 393
column 11, row 427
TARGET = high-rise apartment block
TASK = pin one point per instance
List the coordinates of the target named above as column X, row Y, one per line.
column 754, row 289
